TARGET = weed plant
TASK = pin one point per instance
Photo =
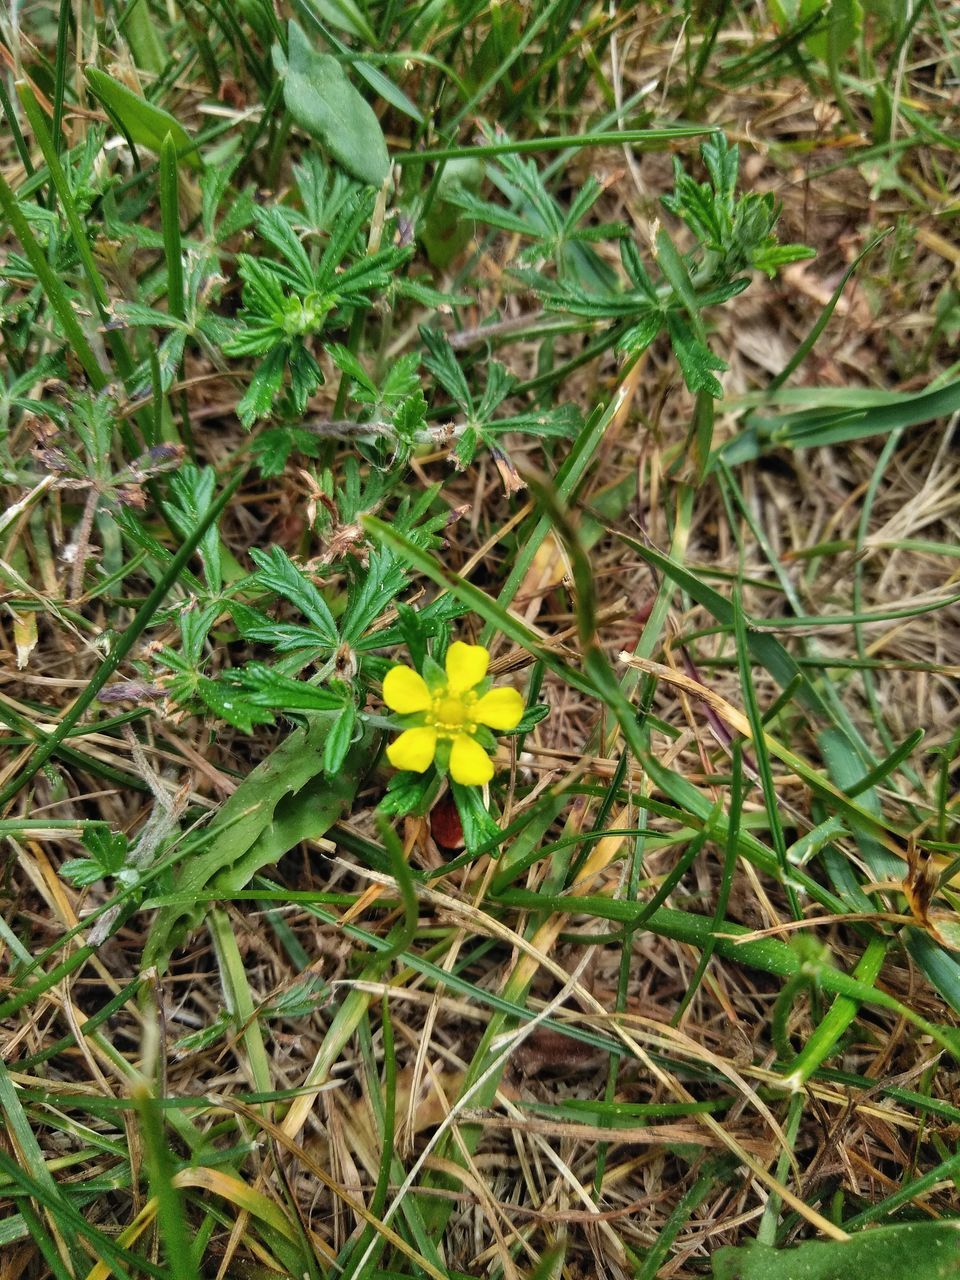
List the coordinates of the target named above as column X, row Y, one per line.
column 480, row 636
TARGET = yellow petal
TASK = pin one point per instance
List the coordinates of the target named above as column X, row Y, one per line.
column 413, row 750
column 405, row 691
column 469, row 763
column 466, row 666
column 499, row 709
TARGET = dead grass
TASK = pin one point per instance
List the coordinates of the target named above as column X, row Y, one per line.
column 530, row 1182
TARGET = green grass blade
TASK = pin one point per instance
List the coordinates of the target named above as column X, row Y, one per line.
column 125, row 642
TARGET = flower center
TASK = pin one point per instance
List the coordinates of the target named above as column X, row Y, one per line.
column 452, row 713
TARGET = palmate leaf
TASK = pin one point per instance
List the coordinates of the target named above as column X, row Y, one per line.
column 287, row 303
column 276, row 231
column 695, row 359
column 324, row 192
column 432, row 621
column 444, row 366
column 739, row 231
column 492, row 215
column 108, row 853
column 560, row 423
column 382, row 580
column 192, row 492
column 283, row 637
column 264, row 388
column 305, row 376
column 697, row 204
column 159, row 557
column 535, row 215
column 345, row 239
column 359, row 284
column 262, row 686
column 272, row 449
column 580, row 206
column 228, row 705
column 500, row 382
column 264, row 295
column 277, row 572
column 733, row 236
column 170, row 357
column 401, row 378
column 410, row 418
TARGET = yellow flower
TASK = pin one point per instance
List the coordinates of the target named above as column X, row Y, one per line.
column 452, row 711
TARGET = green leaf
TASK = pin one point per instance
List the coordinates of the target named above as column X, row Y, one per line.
column 842, row 422
column 284, row 800
column 323, row 102
column 639, row 336
column 408, row 793
column 479, row 827
column 227, row 704
column 384, row 88
column 531, row 717
column 192, row 491
column 345, row 15
column 264, row 388
column 273, row 448
column 107, row 847
column 339, row 739
column 846, row 769
column 145, row 124
column 675, row 272
column 930, row 1250
column 277, row 572
column 81, row 871
column 443, row 364
column 446, row 231
column 940, row 968
column 264, row 687
column 696, row 360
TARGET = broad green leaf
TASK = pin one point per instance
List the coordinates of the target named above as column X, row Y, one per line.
column 448, row 228
column 323, row 102
column 844, row 20
column 930, row 1250
column 284, row 800
column 145, row 124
